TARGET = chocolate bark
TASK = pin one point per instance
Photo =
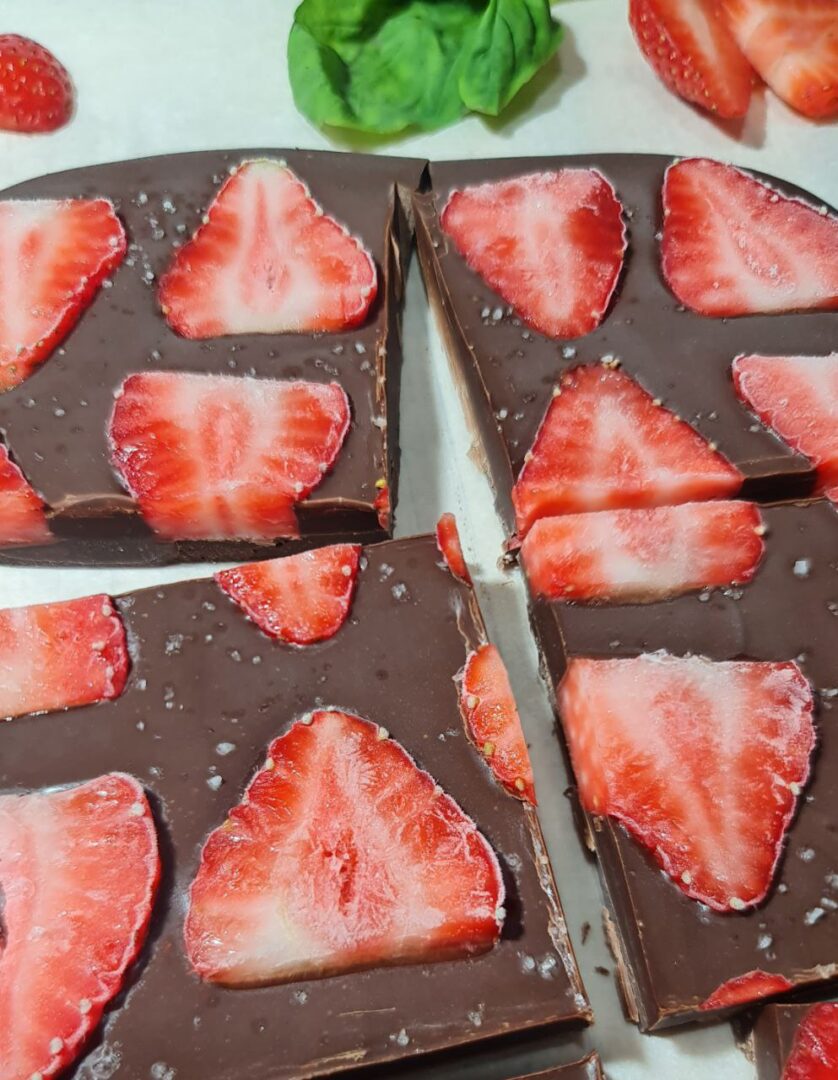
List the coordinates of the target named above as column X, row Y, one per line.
column 589, row 1069
column 54, row 422
column 772, row 1038
column 204, row 676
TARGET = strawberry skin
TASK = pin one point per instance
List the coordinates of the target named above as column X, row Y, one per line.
column 550, row 244
column 814, row 1053
column 217, row 457
column 54, row 255
column 267, row 260
column 22, row 517
column 56, row 656
column 732, row 245
column 753, row 986
column 605, row 443
column 448, row 542
column 639, row 556
column 702, row 761
column 300, row 599
column 690, row 47
column 493, row 722
column 79, row 870
column 35, row 89
column 342, row 855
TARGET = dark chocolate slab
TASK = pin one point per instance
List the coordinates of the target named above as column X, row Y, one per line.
column 202, row 675
column 589, row 1069
column 54, row 422
column 508, row 369
column 772, row 1038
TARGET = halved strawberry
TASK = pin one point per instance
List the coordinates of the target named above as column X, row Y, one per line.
column 732, row 245
column 22, row 517
column 301, row 598
column 753, row 986
column 814, row 1052
column 267, row 260
column 35, row 89
column 54, row 255
column 493, row 722
column 78, row 873
column 56, row 656
column 551, row 244
column 215, row 457
column 797, row 397
column 643, row 555
column 342, row 855
column 793, row 44
column 448, row 542
column 604, row 443
column 690, row 47
column 703, row 762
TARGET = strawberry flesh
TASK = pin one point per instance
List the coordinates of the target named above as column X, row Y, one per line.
column 78, row 873
column 343, row 855
column 702, row 761
column 36, row 93
column 814, row 1052
column 550, row 244
column 732, row 245
column 267, row 260
column 448, row 542
column 216, row 457
column 744, row 989
column 300, row 599
column 57, row 656
column 22, row 517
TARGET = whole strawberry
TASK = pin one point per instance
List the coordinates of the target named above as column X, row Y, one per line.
column 36, row 93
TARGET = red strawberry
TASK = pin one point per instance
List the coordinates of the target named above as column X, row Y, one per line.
column 448, row 542
column 493, row 722
column 301, row 598
column 733, row 246
column 745, row 989
column 56, row 656
column 382, row 504
column 643, row 555
column 604, row 443
column 814, row 1053
column 793, row 44
column 550, row 244
column 267, row 260
column 22, row 518
column 702, row 761
column 342, row 855
column 35, row 89
column 78, row 870
column 690, row 47
column 214, row 457
column 796, row 396
column 57, row 253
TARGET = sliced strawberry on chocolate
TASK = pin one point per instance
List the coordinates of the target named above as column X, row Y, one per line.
column 752, row 986
column 300, row 599
column 732, row 245
column 448, row 542
column 605, row 443
column 689, row 45
column 78, row 873
column 36, row 93
column 551, row 244
column 814, row 1052
column 56, row 656
column 267, row 260
column 793, row 44
column 22, row 517
column 54, row 255
column 493, row 722
column 214, row 457
column 643, row 555
column 702, row 761
column 343, row 854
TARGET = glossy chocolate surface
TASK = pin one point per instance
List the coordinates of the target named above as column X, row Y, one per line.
column 589, row 1069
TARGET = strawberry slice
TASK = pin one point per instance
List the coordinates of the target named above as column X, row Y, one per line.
column 604, row 443
column 702, row 761
column 691, row 49
column 78, row 872
column 22, row 517
column 493, row 722
column 793, row 44
column 814, row 1052
column 215, row 457
column 300, row 599
column 753, row 986
column 733, row 246
column 643, row 555
column 342, row 855
column 56, row 253
column 56, row 656
column 35, row 89
column 797, row 397
column 448, row 542
column 267, row 260
column 551, row 244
